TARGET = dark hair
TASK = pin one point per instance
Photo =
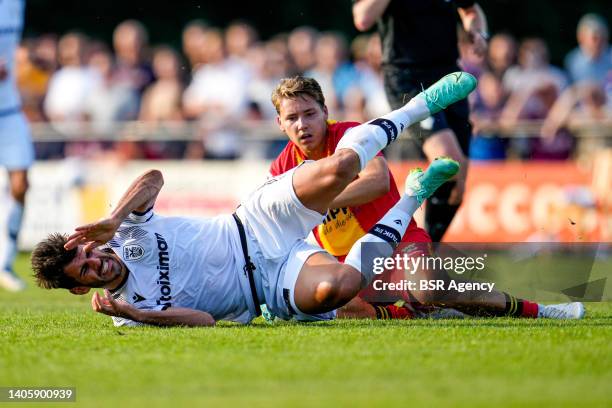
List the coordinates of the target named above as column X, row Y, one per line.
column 297, row 86
column 48, row 261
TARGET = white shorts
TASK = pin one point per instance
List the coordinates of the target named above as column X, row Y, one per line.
column 16, row 151
column 276, row 224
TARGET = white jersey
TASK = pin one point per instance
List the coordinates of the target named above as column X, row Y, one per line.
column 183, row 262
column 11, row 25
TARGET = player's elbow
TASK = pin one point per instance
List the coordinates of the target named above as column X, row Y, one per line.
column 362, row 22
column 383, row 184
column 207, row 320
column 340, row 169
column 197, row 318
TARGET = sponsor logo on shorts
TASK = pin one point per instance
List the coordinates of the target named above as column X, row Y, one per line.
column 133, row 252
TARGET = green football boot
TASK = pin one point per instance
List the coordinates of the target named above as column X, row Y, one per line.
column 422, row 184
column 448, row 90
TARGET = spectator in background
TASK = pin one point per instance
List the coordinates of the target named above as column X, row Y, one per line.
column 534, row 71
column 217, row 97
column 502, row 54
column 240, row 36
column 488, row 102
column 534, row 86
column 108, row 101
column 367, row 54
column 36, row 61
column 332, row 70
column 359, row 48
column 377, row 98
column 469, row 60
column 34, row 74
column 487, row 107
column 32, row 80
column 270, row 63
column 585, row 106
column 258, row 87
column 129, row 41
column 301, row 44
column 194, row 36
column 354, row 101
column 44, row 52
column 70, row 86
column 592, row 59
column 354, row 106
column 161, row 102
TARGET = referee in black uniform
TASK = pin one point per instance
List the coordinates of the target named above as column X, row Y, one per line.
column 419, row 40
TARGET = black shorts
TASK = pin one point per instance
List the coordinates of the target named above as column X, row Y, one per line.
column 403, row 84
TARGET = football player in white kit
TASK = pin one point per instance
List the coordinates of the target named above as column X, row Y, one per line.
column 185, row 271
column 16, row 151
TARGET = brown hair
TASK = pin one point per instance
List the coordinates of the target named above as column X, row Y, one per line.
column 48, row 261
column 297, row 86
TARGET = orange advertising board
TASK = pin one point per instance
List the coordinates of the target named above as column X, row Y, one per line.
column 526, row 201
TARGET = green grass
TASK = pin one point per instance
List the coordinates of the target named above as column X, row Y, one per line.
column 52, row 338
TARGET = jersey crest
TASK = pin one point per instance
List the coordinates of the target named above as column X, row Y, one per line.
column 133, row 252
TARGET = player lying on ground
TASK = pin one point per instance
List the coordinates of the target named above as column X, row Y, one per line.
column 303, row 117
column 182, row 271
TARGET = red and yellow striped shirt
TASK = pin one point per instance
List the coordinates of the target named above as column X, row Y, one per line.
column 342, row 227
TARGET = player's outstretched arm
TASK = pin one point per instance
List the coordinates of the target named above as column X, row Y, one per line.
column 173, row 316
column 140, row 196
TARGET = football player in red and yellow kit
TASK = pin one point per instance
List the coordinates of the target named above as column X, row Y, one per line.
column 355, row 210
column 312, row 136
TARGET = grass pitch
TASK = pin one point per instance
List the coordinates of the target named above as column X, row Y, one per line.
column 52, row 338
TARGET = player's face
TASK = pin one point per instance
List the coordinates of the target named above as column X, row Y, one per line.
column 305, row 123
column 95, row 269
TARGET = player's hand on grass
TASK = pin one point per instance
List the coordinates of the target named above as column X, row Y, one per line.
column 93, row 235
column 112, row 307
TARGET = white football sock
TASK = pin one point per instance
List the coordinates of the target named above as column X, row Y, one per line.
column 388, row 232
column 370, row 138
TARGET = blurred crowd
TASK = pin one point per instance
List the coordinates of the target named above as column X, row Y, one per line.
column 222, row 79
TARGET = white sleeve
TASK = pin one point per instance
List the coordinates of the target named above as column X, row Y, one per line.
column 140, row 217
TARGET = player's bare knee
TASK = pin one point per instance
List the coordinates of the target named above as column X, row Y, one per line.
column 19, row 187
column 325, row 292
column 336, row 291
